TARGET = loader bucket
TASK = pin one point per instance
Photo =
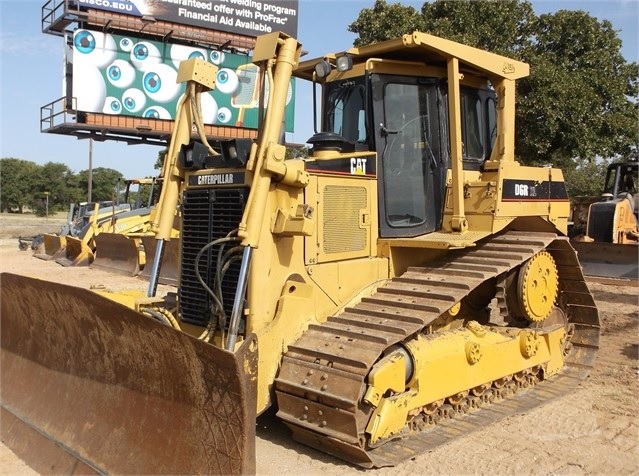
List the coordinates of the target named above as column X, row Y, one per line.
column 77, row 253
column 117, row 253
column 89, row 385
column 170, row 270
column 608, row 260
column 54, row 247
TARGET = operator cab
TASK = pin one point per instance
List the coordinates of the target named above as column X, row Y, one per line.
column 621, row 182
column 399, row 110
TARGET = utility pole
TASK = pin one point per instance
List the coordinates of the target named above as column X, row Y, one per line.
column 46, row 194
column 90, row 169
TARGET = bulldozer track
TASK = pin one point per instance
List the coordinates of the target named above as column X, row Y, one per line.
column 323, row 375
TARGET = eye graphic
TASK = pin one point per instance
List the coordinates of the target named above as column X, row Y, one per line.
column 226, row 81
column 89, row 87
column 84, row 42
column 145, row 55
column 160, row 83
column 182, row 52
column 156, row 112
column 120, row 73
column 217, row 57
column 224, row 115
column 94, row 47
column 112, row 105
column 126, row 44
column 152, row 82
column 209, row 109
column 133, row 100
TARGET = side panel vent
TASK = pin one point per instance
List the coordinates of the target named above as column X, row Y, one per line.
column 343, row 211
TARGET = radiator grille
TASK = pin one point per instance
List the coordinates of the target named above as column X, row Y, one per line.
column 342, row 209
column 207, row 214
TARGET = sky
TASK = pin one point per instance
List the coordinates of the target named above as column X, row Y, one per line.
column 31, row 76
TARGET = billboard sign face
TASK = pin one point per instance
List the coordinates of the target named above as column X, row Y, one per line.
column 243, row 17
column 125, row 75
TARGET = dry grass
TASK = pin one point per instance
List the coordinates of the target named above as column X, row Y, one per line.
column 14, row 225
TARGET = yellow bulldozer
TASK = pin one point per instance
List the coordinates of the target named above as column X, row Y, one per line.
column 406, row 283
column 605, row 229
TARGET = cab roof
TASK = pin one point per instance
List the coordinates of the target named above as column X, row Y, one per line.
column 430, row 50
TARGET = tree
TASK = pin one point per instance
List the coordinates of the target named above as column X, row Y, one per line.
column 385, row 21
column 159, row 162
column 500, row 27
column 580, row 101
column 104, row 183
column 61, row 183
column 17, row 183
column 296, row 152
column 583, row 180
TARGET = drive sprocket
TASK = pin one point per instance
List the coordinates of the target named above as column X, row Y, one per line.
column 537, row 287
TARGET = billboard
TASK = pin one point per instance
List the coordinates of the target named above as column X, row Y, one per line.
column 129, row 76
column 243, row 17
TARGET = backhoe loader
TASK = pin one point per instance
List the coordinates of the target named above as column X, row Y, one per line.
column 113, row 241
column 80, row 249
column 118, row 246
column 605, row 229
column 406, row 283
column 54, row 244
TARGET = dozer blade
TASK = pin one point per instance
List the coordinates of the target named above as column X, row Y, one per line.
column 77, row 253
column 608, row 260
column 89, row 385
column 169, row 271
column 54, row 247
column 116, row 253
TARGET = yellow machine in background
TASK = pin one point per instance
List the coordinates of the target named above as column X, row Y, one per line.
column 79, row 216
column 118, row 245
column 80, row 250
column 406, row 283
column 605, row 229
column 114, row 241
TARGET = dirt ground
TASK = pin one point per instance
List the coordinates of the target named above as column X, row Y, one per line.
column 594, row 430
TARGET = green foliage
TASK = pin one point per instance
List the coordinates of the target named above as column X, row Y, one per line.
column 61, row 183
column 18, row 184
column 23, row 184
column 586, row 179
column 500, row 27
column 580, row 101
column 296, row 153
column 104, row 183
column 385, row 21
column 159, row 163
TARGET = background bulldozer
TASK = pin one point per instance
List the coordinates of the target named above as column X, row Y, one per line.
column 605, row 229
column 406, row 283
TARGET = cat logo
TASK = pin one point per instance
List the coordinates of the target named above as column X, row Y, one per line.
column 358, row 166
